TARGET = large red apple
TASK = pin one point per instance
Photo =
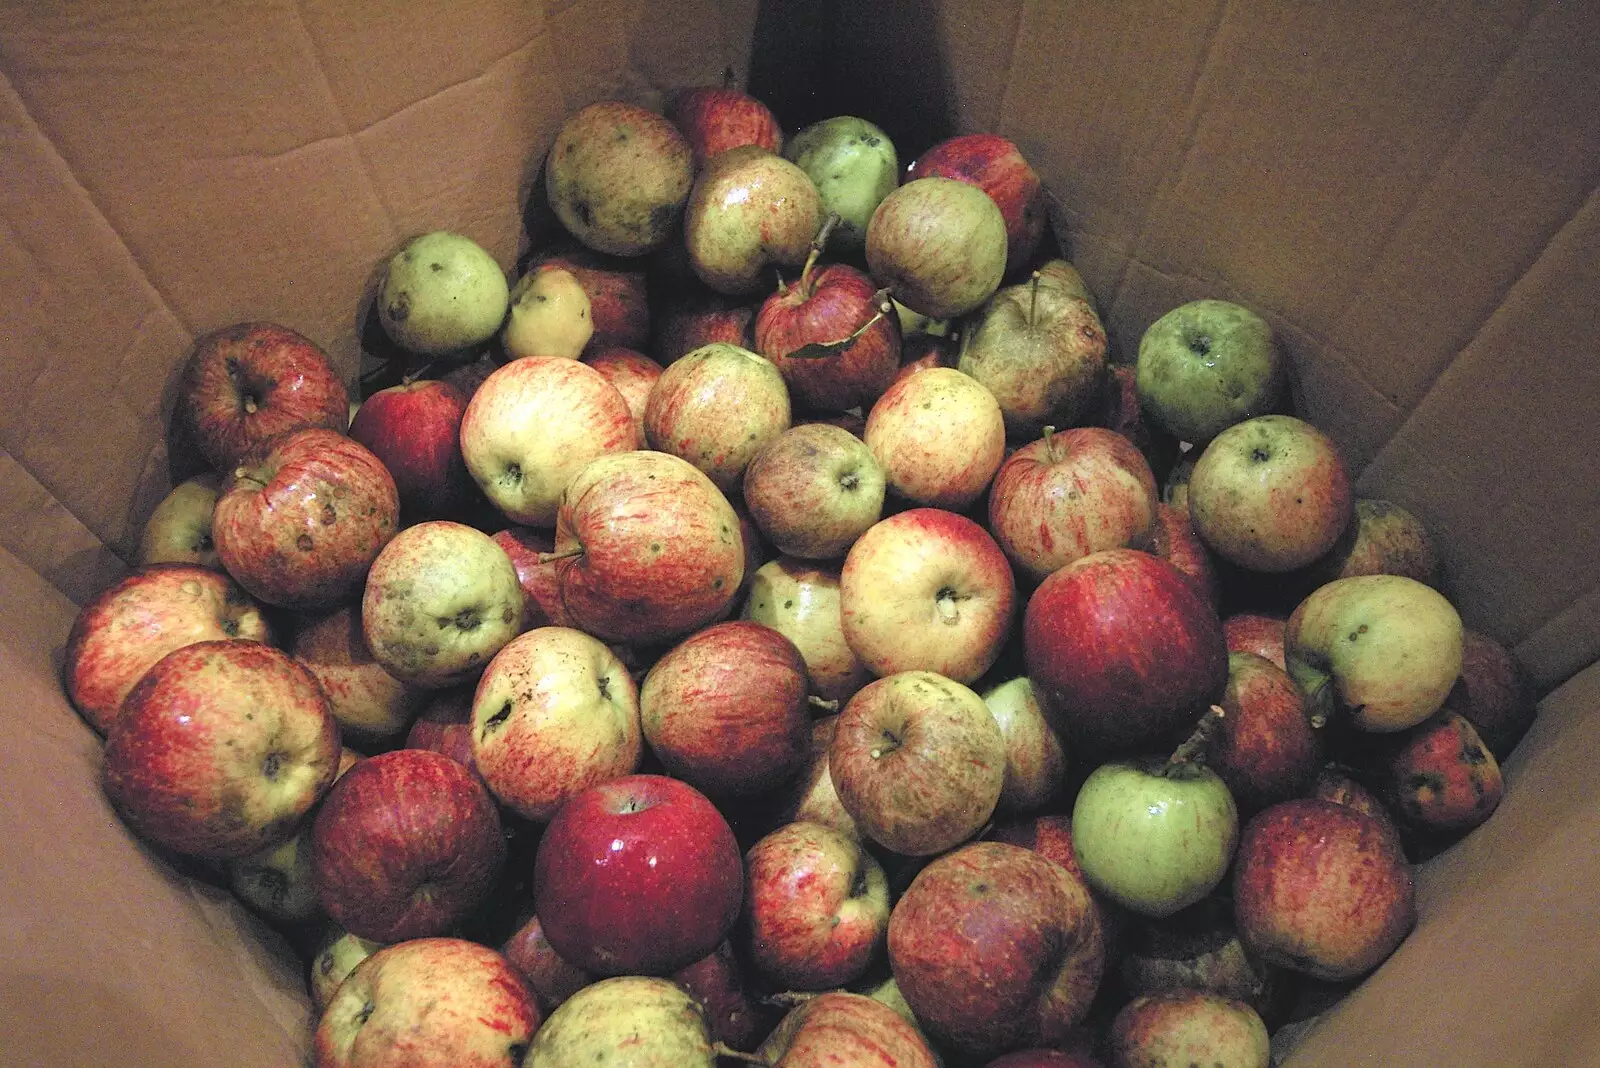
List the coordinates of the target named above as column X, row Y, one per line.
column 305, row 517
column 247, row 383
column 1123, row 649
column 1070, row 494
column 620, row 857
column 996, row 948
column 652, row 549
column 406, row 845
column 715, row 118
column 995, row 165
column 429, row 1003
column 926, row 590
column 533, row 424
column 415, row 429
column 828, row 334
column 939, row 436
column 122, row 631
column 221, row 749
column 726, row 709
column 554, row 713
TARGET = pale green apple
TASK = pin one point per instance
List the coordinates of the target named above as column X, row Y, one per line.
column 336, row 958
column 1386, row 649
column 854, row 166
column 179, row 530
column 1154, row 835
column 1036, row 763
column 1206, row 365
column 442, row 293
column 653, row 1021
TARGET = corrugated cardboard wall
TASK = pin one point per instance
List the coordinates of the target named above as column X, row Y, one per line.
column 1405, row 191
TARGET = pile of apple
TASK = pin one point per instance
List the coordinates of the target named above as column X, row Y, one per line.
column 775, row 629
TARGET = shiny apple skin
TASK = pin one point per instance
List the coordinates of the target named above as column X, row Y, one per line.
column 414, row 428
column 621, row 856
column 829, row 304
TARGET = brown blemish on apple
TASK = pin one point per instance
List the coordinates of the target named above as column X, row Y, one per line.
column 304, row 543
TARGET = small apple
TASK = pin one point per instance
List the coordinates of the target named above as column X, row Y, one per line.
column 1440, row 777
column 618, row 292
column 918, row 761
column 699, row 317
column 531, row 553
column 247, row 383
column 1494, row 693
column 816, row 908
column 811, row 796
column 651, row 1022
column 854, row 166
column 372, row 706
column 442, row 293
column 554, row 713
column 1036, row 765
column 1386, row 649
column 1270, row 493
column 844, row 1028
column 622, row 854
column 736, row 1007
column 1266, row 748
column 996, row 948
column 429, row 1003
column 726, row 709
column 1382, row 538
column 1119, row 410
column 549, row 315
column 304, row 517
column 1200, row 949
column 1041, row 350
column 926, row 589
column 750, row 211
column 939, row 245
column 335, row 958
column 1206, row 365
column 1337, row 783
column 1322, row 889
column 445, row 725
column 800, row 600
column 995, row 165
column 1260, row 633
column 179, row 530
column 220, row 750
column 716, row 407
column 440, row 601
column 122, row 631
column 406, row 845
column 652, row 548
column 552, row 979
column 1068, row 494
column 617, row 177
column 1188, row 1027
column 813, row 490
column 415, row 429
column 715, row 118
column 532, row 425
column 939, row 436
column 632, row 374
column 1174, row 540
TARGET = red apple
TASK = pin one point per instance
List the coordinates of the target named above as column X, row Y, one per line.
column 828, row 334
column 1256, row 632
column 1337, row 783
column 816, row 909
column 631, row 373
column 918, row 351
column 653, row 549
column 552, row 979
column 939, row 436
column 1069, row 494
column 699, row 317
column 429, row 1003
column 619, row 302
column 415, row 429
column 406, row 845
column 445, row 725
column 926, row 590
column 533, row 424
column 372, row 706
column 1265, row 748
column 1123, row 649
column 122, row 631
column 304, row 518
column 529, row 550
column 221, row 749
column 1174, row 540
column 918, row 762
column 554, row 713
column 618, row 857
column 726, row 709
column 1494, row 693
column 843, row 1028
column 1120, row 411
column 1045, row 1058
column 736, row 1010
column 715, row 118
column 995, row 949
column 247, row 383
column 995, row 165
column 1439, row 776
column 1322, row 889
column 717, row 407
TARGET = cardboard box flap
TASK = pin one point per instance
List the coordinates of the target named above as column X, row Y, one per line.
column 102, row 935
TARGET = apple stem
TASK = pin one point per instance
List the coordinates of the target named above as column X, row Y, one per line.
column 564, row 554
column 790, row 999
column 1050, row 452
column 1033, row 300
column 242, row 474
column 817, row 245
column 822, row 703
column 1193, row 749
column 722, row 1049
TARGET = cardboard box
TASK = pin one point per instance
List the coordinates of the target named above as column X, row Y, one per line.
column 1409, row 193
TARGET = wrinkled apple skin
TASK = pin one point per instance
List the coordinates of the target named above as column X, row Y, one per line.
column 1322, row 889
column 996, row 948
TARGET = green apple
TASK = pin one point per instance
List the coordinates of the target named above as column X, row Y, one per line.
column 1154, row 835
column 1386, row 649
column 549, row 316
column 854, row 166
column 442, row 293
column 179, row 530
column 633, row 1020
column 1206, row 365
